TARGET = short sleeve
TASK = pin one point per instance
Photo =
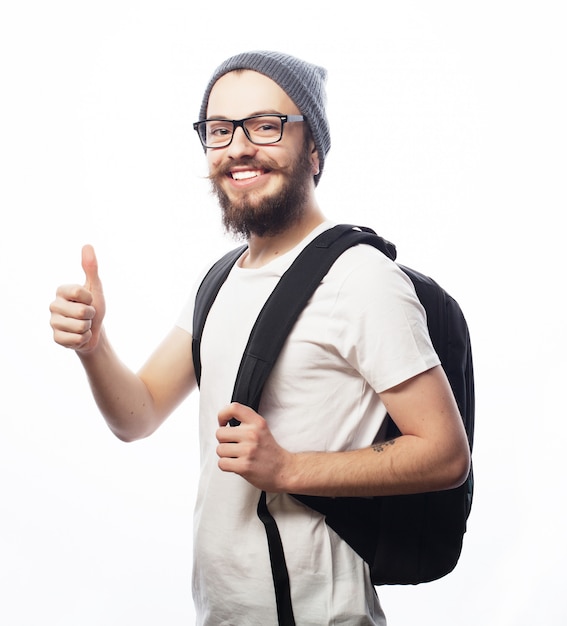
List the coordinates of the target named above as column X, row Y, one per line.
column 378, row 322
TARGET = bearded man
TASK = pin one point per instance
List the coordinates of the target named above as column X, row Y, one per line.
column 353, row 356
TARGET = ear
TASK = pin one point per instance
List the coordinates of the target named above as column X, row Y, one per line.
column 314, row 161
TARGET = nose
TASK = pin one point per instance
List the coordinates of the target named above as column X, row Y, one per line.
column 240, row 145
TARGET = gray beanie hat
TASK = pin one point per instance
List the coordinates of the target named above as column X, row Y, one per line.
column 303, row 82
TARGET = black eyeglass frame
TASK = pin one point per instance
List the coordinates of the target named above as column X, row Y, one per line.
column 240, row 124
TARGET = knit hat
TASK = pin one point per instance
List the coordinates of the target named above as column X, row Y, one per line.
column 303, row 82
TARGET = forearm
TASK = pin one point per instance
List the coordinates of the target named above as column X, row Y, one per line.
column 411, row 463
column 432, row 454
column 122, row 397
column 404, row 465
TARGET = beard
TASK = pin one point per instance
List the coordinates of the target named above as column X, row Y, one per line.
column 265, row 215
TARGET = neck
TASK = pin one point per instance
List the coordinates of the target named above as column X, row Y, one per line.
column 262, row 250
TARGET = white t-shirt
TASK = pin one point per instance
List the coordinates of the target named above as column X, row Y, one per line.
column 362, row 332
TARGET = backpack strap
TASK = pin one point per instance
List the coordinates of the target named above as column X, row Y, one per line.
column 294, row 288
column 288, row 300
column 206, row 295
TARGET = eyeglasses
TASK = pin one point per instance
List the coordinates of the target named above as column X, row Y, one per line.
column 259, row 129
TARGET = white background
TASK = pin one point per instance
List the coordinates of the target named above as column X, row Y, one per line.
column 449, row 135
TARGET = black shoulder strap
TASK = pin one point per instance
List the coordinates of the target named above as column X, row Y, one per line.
column 287, row 301
column 206, row 295
column 282, row 308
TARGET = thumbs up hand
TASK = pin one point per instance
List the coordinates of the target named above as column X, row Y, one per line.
column 78, row 311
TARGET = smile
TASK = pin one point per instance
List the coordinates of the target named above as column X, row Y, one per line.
column 246, row 174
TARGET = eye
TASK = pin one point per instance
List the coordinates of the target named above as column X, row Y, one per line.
column 219, row 129
column 267, row 126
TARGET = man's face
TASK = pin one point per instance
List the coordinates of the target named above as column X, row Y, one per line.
column 262, row 189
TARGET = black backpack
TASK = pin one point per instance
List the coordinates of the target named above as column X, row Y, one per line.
column 405, row 539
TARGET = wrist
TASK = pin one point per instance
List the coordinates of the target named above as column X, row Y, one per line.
column 290, row 474
column 301, row 474
column 94, row 357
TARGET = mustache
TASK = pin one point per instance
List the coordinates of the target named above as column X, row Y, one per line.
column 256, row 164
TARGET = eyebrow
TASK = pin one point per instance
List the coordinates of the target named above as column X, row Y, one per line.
column 260, row 112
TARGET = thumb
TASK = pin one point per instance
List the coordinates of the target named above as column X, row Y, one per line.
column 90, row 267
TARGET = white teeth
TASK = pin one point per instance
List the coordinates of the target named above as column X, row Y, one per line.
column 244, row 174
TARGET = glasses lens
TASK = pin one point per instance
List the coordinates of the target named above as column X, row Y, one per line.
column 216, row 133
column 264, row 128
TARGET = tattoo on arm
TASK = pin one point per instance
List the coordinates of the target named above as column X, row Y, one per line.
column 380, row 447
